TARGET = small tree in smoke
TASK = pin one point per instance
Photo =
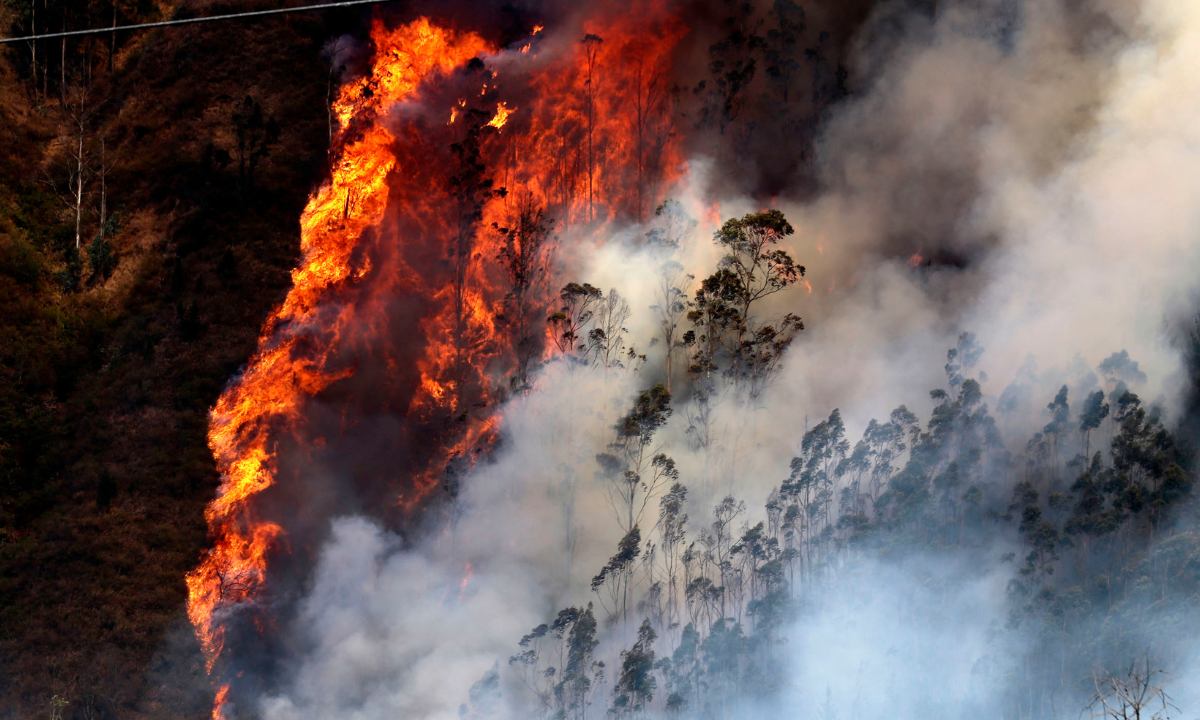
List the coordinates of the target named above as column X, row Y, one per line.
column 616, row 577
column 1120, row 367
column 752, row 269
column 962, row 359
column 577, row 308
column 634, row 474
column 1093, row 413
column 636, row 683
column 672, row 529
column 556, row 662
column 751, row 257
column 484, row 697
column 672, row 227
column 1137, row 695
column 606, row 339
column 1060, row 414
column 525, row 258
column 811, row 482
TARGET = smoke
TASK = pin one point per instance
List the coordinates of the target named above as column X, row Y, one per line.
column 1024, row 171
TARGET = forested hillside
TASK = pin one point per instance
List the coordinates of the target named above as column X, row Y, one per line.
column 695, row 359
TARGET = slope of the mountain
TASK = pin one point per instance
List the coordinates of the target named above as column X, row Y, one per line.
column 104, row 388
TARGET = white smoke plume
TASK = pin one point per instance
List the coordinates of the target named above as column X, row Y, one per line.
column 1055, row 166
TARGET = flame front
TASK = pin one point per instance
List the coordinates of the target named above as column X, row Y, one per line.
column 295, row 357
column 598, row 146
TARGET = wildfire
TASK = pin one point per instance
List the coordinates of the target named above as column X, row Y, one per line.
column 468, row 573
column 501, row 116
column 295, row 357
column 218, row 712
column 712, row 214
column 915, row 260
column 583, row 154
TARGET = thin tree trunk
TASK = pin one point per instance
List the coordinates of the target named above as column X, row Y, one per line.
column 33, row 44
column 112, row 47
column 79, row 186
column 103, row 189
column 46, row 70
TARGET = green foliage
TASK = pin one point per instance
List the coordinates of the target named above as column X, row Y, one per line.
column 70, row 277
column 579, row 301
column 1119, row 367
column 566, row 691
column 725, row 331
column 636, row 683
column 102, row 256
column 649, row 413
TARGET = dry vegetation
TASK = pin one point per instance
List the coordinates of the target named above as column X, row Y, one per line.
column 104, row 389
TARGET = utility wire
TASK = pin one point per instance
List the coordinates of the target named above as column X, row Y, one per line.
column 188, row 21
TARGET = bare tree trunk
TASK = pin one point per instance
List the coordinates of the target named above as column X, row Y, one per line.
column 79, row 186
column 33, row 44
column 112, row 48
column 103, row 188
column 46, row 70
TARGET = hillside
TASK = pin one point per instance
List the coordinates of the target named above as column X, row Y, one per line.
column 104, row 389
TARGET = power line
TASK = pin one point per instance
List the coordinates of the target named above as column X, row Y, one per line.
column 188, row 21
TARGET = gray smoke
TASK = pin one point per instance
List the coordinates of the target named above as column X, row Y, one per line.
column 1027, row 171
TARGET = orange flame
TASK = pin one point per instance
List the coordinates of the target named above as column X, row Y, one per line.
column 712, row 214
column 501, row 116
column 915, row 260
column 287, row 367
column 601, row 145
column 468, row 573
column 218, row 712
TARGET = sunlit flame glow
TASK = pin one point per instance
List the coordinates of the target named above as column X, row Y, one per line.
column 712, row 214
column 501, row 116
column 468, row 573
